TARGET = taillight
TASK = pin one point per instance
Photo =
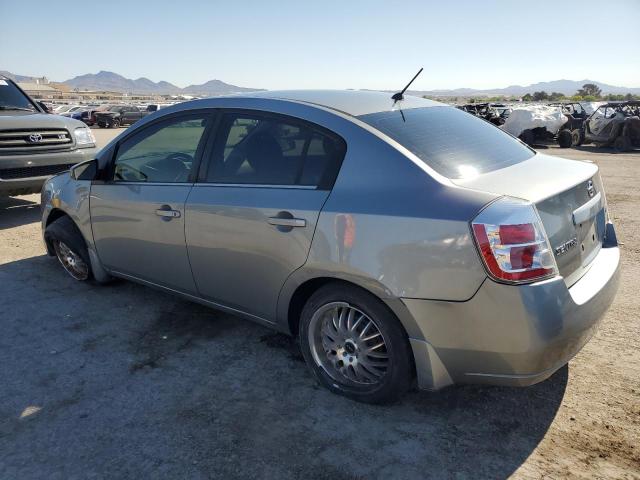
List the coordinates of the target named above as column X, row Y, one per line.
column 512, row 242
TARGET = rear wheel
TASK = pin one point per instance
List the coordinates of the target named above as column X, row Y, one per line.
column 576, row 137
column 354, row 345
column 622, row 144
column 115, row 123
column 69, row 247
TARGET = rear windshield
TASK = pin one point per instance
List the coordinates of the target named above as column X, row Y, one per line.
column 452, row 142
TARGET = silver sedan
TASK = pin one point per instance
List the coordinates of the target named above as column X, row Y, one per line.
column 402, row 240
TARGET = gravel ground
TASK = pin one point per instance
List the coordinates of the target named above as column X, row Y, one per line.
column 123, row 382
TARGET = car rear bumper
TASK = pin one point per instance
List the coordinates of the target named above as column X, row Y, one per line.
column 512, row 335
column 35, row 168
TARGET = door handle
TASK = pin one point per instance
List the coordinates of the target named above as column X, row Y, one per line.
column 287, row 222
column 167, row 213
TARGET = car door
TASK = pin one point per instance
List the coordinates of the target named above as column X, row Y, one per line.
column 251, row 217
column 137, row 213
column 128, row 115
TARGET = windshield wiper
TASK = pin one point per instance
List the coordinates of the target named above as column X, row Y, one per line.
column 11, row 107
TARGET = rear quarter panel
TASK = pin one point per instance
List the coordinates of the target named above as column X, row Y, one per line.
column 393, row 228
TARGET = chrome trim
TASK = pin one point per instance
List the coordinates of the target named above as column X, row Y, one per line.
column 588, row 210
column 256, row 185
column 170, row 184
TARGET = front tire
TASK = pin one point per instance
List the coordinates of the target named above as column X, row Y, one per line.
column 565, row 138
column 69, row 247
column 354, row 345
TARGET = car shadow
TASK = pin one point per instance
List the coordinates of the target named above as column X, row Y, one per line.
column 593, row 149
column 464, row 431
column 228, row 389
column 15, row 212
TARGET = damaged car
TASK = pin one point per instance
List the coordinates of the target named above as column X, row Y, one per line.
column 495, row 113
column 535, row 124
column 401, row 240
column 615, row 124
column 571, row 133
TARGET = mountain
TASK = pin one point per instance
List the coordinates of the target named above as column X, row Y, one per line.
column 113, row 82
column 215, row 87
column 567, row 87
column 17, row 78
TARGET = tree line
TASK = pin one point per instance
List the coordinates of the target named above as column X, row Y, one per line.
column 589, row 92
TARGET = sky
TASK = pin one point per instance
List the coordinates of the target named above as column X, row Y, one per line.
column 326, row 44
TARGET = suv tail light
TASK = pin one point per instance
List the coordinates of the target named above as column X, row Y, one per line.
column 512, row 242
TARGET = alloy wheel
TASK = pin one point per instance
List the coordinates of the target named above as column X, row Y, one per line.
column 71, row 261
column 348, row 345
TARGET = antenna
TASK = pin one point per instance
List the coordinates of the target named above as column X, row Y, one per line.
column 400, row 95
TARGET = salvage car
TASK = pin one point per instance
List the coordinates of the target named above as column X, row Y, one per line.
column 571, row 133
column 615, row 124
column 397, row 238
column 535, row 124
column 35, row 144
column 495, row 113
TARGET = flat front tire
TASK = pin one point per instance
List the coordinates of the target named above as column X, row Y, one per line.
column 69, row 248
column 354, row 345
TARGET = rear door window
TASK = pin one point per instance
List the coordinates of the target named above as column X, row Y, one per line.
column 259, row 149
column 450, row 141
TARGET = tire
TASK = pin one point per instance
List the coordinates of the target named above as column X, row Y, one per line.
column 62, row 234
column 527, row 137
column 576, row 137
column 323, row 356
column 622, row 144
column 565, row 138
column 116, row 124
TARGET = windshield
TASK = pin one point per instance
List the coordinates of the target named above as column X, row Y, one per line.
column 115, row 108
column 11, row 97
column 452, row 142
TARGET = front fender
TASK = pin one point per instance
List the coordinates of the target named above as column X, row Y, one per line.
column 63, row 195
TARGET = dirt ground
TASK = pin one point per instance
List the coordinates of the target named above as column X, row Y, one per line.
column 126, row 382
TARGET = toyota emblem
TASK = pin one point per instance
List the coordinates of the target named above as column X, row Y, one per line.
column 35, row 138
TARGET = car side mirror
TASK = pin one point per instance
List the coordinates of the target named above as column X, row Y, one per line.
column 44, row 107
column 85, row 171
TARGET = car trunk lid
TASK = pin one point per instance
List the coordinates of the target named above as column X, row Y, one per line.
column 570, row 200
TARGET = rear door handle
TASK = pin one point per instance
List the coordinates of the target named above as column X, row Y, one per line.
column 287, row 222
column 167, row 212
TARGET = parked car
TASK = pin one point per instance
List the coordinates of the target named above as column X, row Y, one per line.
column 60, row 109
column 615, row 124
column 535, row 124
column 495, row 113
column 89, row 116
column 118, row 115
column 571, row 133
column 395, row 238
column 35, row 144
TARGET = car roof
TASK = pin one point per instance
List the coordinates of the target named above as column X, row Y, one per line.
column 351, row 102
